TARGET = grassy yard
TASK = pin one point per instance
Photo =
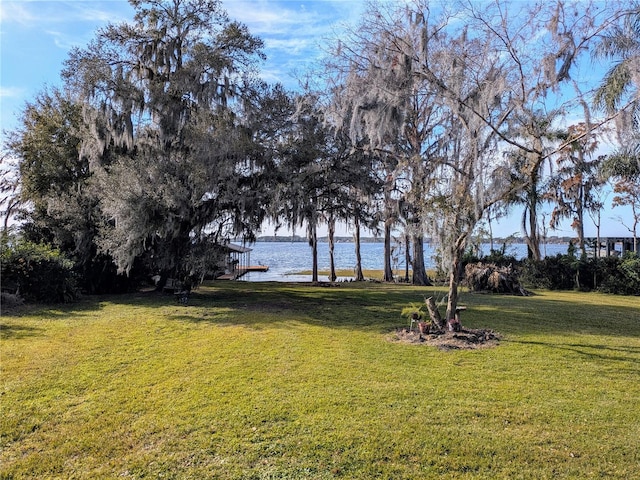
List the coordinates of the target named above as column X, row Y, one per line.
column 275, row 381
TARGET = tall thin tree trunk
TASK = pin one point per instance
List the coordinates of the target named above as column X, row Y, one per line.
column 332, row 264
column 389, row 220
column 597, row 253
column 388, row 272
column 534, row 240
column 490, row 234
column 407, row 256
column 419, row 276
column 580, row 205
column 313, row 242
column 580, row 230
column 356, row 238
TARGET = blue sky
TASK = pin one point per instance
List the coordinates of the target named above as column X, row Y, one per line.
column 36, row 36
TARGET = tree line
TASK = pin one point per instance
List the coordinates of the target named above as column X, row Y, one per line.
column 426, row 118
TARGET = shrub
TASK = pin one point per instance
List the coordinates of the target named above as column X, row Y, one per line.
column 10, row 300
column 37, row 272
column 553, row 273
column 566, row 272
column 498, row 257
column 620, row 275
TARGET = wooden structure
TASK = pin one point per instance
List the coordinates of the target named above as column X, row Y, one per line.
column 612, row 246
column 238, row 262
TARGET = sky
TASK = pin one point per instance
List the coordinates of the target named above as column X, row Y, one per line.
column 36, row 37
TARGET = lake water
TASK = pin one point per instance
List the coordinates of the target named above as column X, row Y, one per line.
column 285, row 259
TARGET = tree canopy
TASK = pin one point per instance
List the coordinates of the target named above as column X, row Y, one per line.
column 163, row 98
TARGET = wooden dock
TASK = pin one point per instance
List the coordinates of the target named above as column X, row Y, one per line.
column 609, row 246
column 239, row 272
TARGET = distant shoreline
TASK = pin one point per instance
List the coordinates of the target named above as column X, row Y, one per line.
column 497, row 241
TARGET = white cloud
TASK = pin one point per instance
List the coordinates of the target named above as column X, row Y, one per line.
column 293, row 30
column 313, row 18
column 293, row 46
column 16, row 12
column 12, row 92
column 269, row 17
column 36, row 14
column 64, row 41
column 88, row 13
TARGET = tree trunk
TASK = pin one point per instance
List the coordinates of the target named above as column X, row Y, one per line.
column 332, row 263
column 454, row 281
column 419, row 272
column 580, row 229
column 597, row 253
column 388, row 273
column 407, row 257
column 356, row 237
column 313, row 242
column 434, row 314
column 164, row 276
column 533, row 241
column 580, row 206
column 490, row 233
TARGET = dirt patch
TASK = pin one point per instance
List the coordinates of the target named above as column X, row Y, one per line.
column 465, row 339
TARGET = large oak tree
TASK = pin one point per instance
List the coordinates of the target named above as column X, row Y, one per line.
column 169, row 148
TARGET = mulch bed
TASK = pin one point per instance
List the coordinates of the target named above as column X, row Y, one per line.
column 465, row 339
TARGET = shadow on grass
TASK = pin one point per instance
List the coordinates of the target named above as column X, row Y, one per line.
column 341, row 306
column 89, row 303
column 607, row 316
column 599, row 352
column 15, row 332
column 377, row 306
column 366, row 305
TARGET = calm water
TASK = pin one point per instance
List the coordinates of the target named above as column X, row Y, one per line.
column 286, row 258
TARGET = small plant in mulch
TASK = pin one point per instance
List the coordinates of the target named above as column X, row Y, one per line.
column 455, row 337
column 424, row 327
column 465, row 339
column 414, row 314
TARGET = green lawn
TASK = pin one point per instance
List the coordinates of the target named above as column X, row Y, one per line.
column 274, row 381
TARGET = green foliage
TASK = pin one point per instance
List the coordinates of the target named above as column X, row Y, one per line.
column 47, row 144
column 620, row 275
column 172, row 153
column 553, row 273
column 497, row 257
column 565, row 272
column 37, row 272
column 413, row 311
column 60, row 203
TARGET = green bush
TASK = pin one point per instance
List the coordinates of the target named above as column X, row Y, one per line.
column 497, row 257
column 620, row 275
column 37, row 272
column 566, row 272
column 553, row 273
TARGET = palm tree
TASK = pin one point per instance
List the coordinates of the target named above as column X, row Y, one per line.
column 622, row 46
column 619, row 93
